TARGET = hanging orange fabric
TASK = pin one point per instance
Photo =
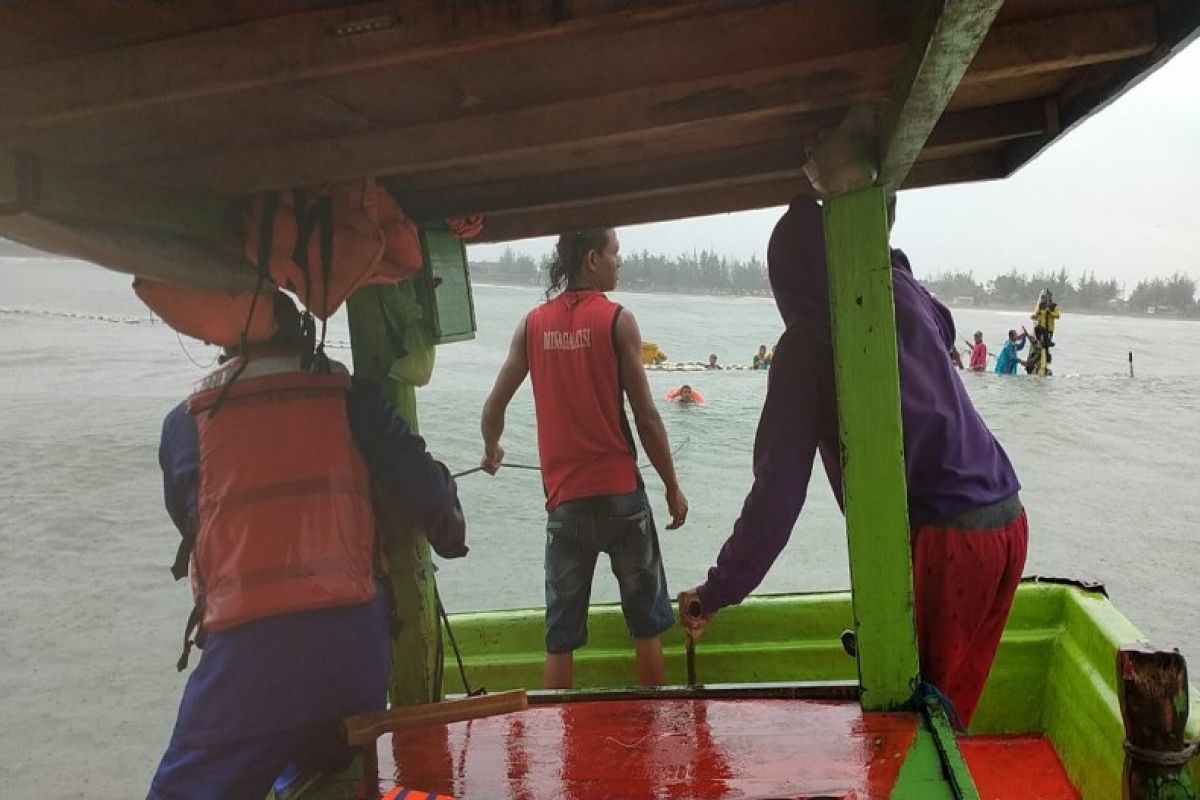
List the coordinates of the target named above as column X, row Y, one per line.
column 212, row 316
column 401, row 793
column 467, row 227
column 326, row 242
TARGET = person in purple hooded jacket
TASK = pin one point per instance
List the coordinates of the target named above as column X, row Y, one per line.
column 969, row 531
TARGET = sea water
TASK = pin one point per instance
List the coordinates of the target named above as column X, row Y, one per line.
column 92, row 621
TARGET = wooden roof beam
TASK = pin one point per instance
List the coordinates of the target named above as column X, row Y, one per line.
column 1091, row 90
column 525, row 134
column 718, row 170
column 28, row 184
column 136, row 251
column 989, row 127
column 945, row 38
column 637, row 115
column 300, row 47
column 752, row 163
column 702, row 198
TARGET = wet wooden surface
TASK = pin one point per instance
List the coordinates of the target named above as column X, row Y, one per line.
column 696, row 749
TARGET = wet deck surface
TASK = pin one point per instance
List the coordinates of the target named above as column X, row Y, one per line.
column 1016, row 766
column 690, row 749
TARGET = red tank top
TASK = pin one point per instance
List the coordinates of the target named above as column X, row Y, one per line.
column 584, row 440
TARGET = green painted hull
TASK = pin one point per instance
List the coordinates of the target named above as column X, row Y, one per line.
column 1055, row 673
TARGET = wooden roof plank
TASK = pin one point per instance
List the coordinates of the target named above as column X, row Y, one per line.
column 1019, row 49
column 1093, row 89
column 33, row 31
column 28, row 184
column 531, row 134
column 136, row 251
column 756, row 162
column 717, row 169
column 945, row 38
column 712, row 135
column 527, row 133
column 302, row 47
column 703, row 198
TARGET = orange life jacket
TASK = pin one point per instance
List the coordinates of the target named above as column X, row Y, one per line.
column 284, row 515
column 323, row 243
column 400, row 793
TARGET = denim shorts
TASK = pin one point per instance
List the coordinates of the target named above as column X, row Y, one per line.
column 576, row 533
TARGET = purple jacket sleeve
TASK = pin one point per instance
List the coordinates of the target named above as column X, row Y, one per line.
column 793, row 421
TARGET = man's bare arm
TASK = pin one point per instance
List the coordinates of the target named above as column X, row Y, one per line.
column 650, row 428
column 512, row 375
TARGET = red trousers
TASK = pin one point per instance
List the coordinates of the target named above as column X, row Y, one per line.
column 964, row 583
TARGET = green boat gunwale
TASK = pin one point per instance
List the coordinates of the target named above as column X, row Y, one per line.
column 1055, row 673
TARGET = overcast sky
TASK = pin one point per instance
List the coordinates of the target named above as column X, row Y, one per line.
column 1118, row 195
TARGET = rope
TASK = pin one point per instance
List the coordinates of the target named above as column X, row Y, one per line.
column 533, row 468
column 462, row 670
column 1163, row 758
column 195, row 363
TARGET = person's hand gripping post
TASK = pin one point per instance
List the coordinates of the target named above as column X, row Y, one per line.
column 694, row 621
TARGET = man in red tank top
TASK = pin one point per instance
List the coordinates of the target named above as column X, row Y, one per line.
column 582, row 353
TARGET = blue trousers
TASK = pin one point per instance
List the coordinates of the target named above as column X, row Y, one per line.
column 270, row 693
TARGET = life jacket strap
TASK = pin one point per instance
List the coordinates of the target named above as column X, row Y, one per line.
column 193, row 624
column 183, row 554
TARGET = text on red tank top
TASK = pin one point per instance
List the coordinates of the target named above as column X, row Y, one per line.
column 582, row 437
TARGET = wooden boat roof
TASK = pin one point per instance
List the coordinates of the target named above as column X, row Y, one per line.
column 544, row 115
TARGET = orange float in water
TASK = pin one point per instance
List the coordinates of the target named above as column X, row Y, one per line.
column 694, row 398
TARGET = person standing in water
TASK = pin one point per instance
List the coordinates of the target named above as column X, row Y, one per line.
column 712, row 362
column 762, row 359
column 969, row 531
column 979, row 353
column 582, row 353
column 1008, row 360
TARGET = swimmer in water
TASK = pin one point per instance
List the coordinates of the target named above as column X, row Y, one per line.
column 685, row 395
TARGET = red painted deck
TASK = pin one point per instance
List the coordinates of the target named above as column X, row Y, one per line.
column 694, row 749
column 1016, row 766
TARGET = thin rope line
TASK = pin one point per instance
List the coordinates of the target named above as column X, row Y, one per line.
column 195, row 363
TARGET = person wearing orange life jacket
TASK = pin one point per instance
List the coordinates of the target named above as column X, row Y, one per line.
column 583, row 355
column 268, row 471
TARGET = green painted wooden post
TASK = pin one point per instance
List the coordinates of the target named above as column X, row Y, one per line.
column 868, row 391
column 383, row 322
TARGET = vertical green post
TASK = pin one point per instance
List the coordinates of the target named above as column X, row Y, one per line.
column 385, row 322
column 875, row 492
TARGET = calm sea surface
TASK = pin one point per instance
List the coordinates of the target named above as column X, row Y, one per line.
column 91, row 619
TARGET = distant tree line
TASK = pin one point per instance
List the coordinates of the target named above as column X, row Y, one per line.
column 705, row 272
column 1174, row 295
column 695, row 273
